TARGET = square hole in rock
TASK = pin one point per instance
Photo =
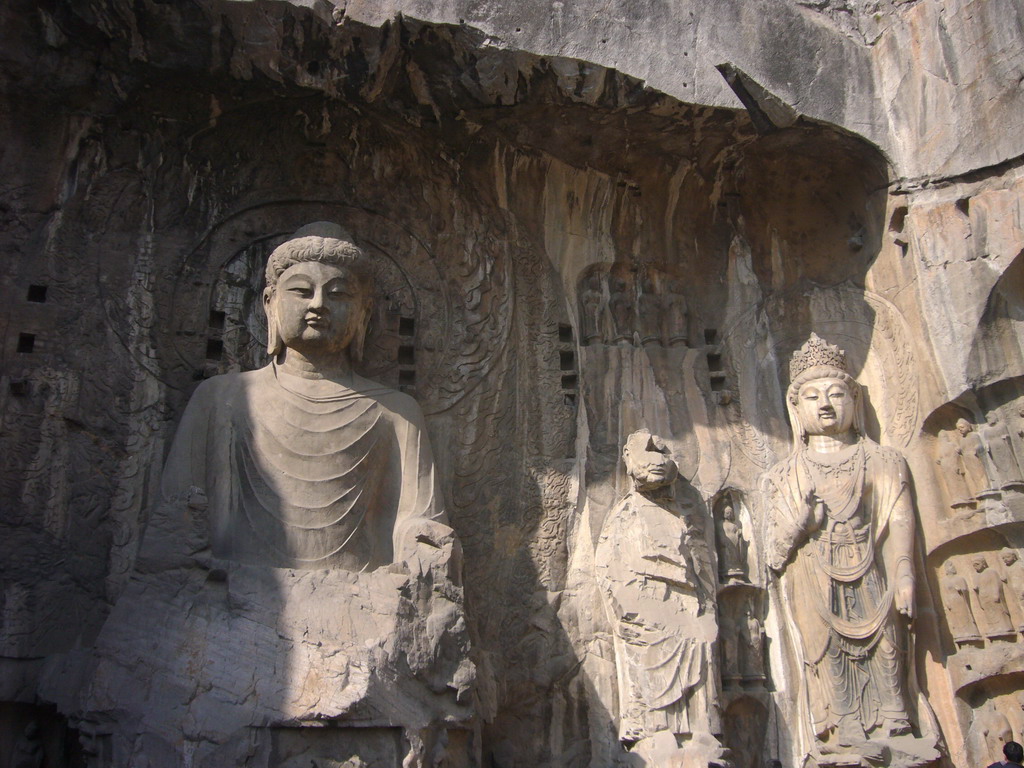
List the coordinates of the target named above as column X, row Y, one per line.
column 36, row 294
column 26, row 342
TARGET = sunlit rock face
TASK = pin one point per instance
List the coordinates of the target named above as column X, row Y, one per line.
column 585, row 220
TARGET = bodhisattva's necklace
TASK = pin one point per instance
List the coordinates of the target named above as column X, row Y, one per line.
column 837, row 479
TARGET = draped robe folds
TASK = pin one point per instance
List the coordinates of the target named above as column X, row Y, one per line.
column 301, row 473
column 662, row 642
column 258, row 600
column 837, row 583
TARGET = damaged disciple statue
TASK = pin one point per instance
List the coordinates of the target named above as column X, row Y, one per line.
column 654, row 581
column 299, row 571
column 840, row 537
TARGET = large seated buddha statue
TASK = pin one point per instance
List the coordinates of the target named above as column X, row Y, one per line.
column 304, row 463
column 297, row 596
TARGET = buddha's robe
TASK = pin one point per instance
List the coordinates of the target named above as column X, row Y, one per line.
column 304, row 473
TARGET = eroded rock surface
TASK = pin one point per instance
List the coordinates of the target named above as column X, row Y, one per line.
column 581, row 230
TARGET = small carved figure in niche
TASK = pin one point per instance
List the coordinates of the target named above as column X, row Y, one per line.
column 621, row 304
column 592, row 306
column 753, row 636
column 1005, row 471
column 974, row 457
column 729, row 643
column 988, row 589
column 675, row 319
column 951, row 471
column 956, row 599
column 732, row 547
column 649, row 309
column 663, row 620
column 1013, row 579
column 28, row 750
column 841, row 539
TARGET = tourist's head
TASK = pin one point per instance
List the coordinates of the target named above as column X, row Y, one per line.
column 823, row 398
column 319, row 293
column 648, row 461
column 1013, row 752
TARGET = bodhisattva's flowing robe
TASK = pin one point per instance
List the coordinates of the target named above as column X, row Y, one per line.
column 837, row 580
column 304, row 473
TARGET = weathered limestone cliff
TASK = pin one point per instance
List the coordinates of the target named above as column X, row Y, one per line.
column 588, row 218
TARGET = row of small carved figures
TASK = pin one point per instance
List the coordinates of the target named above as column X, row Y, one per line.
column 979, row 462
column 616, row 307
column 983, row 607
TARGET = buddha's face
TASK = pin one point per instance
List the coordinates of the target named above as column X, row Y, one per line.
column 980, row 564
column 1009, row 557
column 825, row 407
column 318, row 307
column 648, row 462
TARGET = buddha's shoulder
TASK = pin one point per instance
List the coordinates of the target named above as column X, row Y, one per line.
column 398, row 403
column 226, row 385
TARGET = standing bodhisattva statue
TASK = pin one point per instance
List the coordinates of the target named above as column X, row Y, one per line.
column 840, row 538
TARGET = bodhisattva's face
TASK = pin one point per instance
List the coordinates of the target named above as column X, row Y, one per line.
column 649, row 464
column 319, row 307
column 825, row 407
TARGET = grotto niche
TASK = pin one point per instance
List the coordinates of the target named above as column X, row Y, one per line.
column 562, row 257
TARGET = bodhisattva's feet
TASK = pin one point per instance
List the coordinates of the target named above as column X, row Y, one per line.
column 896, row 726
column 849, row 732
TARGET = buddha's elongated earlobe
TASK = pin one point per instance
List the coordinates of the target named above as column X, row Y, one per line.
column 273, row 336
column 359, row 342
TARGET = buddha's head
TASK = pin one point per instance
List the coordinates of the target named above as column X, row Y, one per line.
column 728, row 513
column 319, row 293
column 963, row 426
column 648, row 461
column 823, row 398
column 980, row 563
column 1008, row 556
column 950, row 568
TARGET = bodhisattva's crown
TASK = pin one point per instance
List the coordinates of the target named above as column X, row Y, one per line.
column 816, row 351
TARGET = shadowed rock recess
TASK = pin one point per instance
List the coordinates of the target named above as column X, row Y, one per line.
column 488, row 385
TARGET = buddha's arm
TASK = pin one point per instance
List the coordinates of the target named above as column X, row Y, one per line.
column 421, row 518
column 177, row 528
